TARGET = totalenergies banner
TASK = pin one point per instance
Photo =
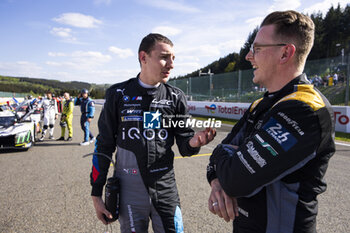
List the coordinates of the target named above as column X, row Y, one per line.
column 342, row 118
column 236, row 111
column 218, row 109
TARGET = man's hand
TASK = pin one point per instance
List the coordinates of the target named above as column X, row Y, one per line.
column 101, row 210
column 220, row 203
column 89, row 120
column 202, row 138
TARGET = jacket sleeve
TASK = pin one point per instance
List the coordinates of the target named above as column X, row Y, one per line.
column 184, row 134
column 287, row 140
column 235, row 137
column 105, row 142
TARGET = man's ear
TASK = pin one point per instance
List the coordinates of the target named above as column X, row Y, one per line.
column 288, row 53
column 142, row 57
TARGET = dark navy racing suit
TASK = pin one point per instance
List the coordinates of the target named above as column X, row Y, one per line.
column 285, row 141
column 144, row 156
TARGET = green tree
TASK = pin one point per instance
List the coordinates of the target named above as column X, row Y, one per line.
column 333, row 31
column 230, row 67
column 243, row 64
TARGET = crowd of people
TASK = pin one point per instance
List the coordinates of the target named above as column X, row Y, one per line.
column 327, row 80
column 50, row 107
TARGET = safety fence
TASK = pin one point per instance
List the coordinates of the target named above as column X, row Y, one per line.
column 12, row 94
column 330, row 75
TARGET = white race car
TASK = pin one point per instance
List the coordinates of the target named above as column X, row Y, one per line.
column 15, row 131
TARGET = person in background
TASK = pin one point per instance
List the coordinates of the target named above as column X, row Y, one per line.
column 49, row 106
column 87, row 108
column 335, row 79
column 67, row 117
column 267, row 173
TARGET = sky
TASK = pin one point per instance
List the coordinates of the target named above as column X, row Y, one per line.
column 96, row 41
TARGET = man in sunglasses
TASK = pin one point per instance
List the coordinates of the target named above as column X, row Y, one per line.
column 266, row 174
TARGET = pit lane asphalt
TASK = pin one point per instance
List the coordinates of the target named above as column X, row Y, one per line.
column 46, row 189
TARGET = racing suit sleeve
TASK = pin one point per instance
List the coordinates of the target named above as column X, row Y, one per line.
column 288, row 139
column 91, row 109
column 56, row 108
column 105, row 142
column 235, row 137
column 77, row 101
column 184, row 134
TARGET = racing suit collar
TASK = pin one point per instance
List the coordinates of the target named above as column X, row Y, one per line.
column 301, row 79
column 145, row 85
column 146, row 91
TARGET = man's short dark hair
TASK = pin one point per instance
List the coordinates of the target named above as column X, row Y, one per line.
column 293, row 27
column 149, row 41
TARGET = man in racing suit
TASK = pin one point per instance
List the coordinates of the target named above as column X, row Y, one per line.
column 87, row 108
column 67, row 117
column 131, row 121
column 49, row 106
column 273, row 161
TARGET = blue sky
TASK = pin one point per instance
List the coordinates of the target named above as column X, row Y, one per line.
column 97, row 40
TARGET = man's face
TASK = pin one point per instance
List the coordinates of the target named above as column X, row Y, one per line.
column 84, row 95
column 66, row 96
column 159, row 62
column 49, row 96
column 265, row 59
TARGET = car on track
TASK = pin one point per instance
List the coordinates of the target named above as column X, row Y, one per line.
column 17, row 132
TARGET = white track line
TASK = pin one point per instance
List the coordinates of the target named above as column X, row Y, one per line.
column 342, row 144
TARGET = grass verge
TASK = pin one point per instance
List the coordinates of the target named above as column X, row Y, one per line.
column 342, row 136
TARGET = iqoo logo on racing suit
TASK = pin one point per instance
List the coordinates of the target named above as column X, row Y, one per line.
column 280, row 134
column 149, row 134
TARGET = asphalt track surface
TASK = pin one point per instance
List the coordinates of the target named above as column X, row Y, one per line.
column 46, row 189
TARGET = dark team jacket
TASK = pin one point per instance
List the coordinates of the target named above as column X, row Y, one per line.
column 121, row 125
column 285, row 140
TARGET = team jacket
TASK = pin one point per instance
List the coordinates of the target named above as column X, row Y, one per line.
column 87, row 107
column 285, row 140
column 121, row 125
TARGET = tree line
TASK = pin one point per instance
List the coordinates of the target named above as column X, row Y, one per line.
column 332, row 34
column 36, row 86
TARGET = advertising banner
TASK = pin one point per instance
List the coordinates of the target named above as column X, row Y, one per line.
column 236, row 111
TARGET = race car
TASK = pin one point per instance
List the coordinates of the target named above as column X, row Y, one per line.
column 15, row 131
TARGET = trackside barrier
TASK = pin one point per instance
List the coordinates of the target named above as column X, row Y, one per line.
column 99, row 101
column 236, row 111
